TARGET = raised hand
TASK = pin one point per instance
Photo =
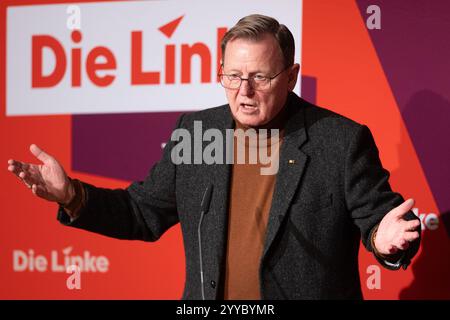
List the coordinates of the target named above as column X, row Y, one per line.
column 47, row 180
column 395, row 233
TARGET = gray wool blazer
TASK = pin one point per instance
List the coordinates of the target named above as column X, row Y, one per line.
column 333, row 194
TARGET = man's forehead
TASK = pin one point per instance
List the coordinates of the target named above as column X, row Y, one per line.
column 263, row 52
column 265, row 39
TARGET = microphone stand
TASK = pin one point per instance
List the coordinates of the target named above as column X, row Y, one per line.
column 204, row 209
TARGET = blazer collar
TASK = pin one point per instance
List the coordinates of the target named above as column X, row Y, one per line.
column 292, row 164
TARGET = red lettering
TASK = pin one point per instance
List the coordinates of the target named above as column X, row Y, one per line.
column 137, row 75
column 76, row 60
column 38, row 43
column 187, row 52
column 170, row 64
column 92, row 66
column 220, row 33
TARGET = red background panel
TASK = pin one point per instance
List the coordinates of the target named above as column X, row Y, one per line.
column 338, row 52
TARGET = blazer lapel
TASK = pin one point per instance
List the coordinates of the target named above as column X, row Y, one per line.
column 291, row 167
column 216, row 223
column 222, row 175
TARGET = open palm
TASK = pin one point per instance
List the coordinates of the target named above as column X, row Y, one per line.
column 394, row 232
column 47, row 180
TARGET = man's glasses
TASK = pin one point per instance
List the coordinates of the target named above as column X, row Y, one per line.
column 257, row 82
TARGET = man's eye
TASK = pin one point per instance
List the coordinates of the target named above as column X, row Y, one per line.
column 259, row 77
column 233, row 77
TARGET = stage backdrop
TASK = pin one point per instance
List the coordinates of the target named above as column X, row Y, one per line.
column 80, row 79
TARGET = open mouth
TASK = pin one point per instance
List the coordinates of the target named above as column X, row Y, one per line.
column 248, row 106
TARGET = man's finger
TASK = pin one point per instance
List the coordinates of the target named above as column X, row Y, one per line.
column 411, row 225
column 411, row 236
column 14, row 165
column 14, row 169
column 17, row 172
column 40, row 154
column 39, row 191
column 13, row 162
column 26, row 179
column 403, row 244
column 404, row 208
column 17, row 167
column 34, row 189
column 393, row 249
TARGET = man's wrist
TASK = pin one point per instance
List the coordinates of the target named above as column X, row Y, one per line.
column 75, row 198
column 374, row 247
column 70, row 194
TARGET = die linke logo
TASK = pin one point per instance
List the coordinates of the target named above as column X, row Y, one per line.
column 109, row 63
column 58, row 261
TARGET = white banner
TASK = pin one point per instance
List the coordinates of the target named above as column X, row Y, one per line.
column 121, row 57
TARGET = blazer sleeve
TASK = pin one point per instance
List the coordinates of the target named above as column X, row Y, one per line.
column 142, row 211
column 368, row 194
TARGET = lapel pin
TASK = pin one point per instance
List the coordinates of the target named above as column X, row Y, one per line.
column 291, row 161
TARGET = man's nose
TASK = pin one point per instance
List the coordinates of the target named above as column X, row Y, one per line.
column 246, row 89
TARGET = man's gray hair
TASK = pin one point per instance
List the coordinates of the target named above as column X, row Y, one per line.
column 254, row 27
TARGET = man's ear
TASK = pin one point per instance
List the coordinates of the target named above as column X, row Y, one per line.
column 293, row 76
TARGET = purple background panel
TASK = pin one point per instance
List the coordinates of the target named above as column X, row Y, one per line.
column 414, row 49
column 122, row 146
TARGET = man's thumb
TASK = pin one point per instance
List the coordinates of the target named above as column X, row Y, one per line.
column 404, row 208
column 39, row 153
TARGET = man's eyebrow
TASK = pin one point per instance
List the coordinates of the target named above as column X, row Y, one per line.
column 250, row 73
column 232, row 70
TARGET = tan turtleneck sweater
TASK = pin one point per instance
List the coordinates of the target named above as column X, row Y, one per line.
column 249, row 207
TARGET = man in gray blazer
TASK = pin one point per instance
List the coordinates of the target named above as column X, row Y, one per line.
column 292, row 234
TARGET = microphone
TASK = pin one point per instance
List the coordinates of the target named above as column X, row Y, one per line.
column 204, row 207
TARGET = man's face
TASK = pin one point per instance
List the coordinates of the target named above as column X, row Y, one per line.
column 248, row 58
